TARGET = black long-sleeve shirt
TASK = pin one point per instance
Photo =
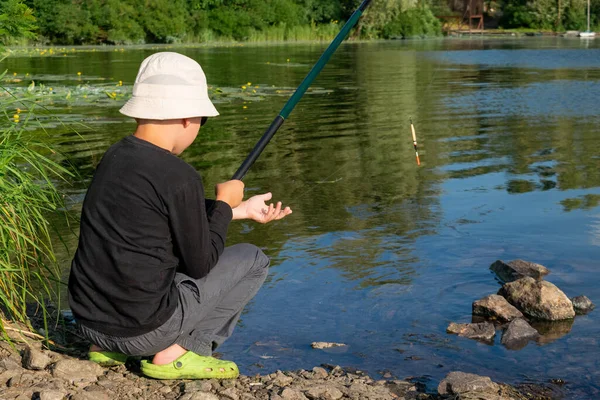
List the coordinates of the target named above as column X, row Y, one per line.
column 144, row 217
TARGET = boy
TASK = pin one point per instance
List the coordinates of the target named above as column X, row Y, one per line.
column 151, row 274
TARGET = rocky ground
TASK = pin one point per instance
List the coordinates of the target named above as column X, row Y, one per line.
column 29, row 371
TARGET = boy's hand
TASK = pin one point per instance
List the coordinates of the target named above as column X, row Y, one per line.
column 231, row 192
column 256, row 209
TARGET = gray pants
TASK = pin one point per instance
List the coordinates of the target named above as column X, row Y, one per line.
column 208, row 308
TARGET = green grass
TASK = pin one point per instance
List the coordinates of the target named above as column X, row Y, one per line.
column 29, row 272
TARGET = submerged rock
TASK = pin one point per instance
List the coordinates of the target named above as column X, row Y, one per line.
column 496, row 307
column 551, row 330
column 517, row 269
column 462, row 383
column 326, row 345
column 480, row 331
column 518, row 334
column 538, row 299
column 582, row 305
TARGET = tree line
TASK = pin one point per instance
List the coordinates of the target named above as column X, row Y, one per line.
column 172, row 21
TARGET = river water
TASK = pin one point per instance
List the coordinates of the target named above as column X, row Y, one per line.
column 381, row 254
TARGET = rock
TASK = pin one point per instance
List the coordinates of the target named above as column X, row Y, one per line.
column 35, row 359
column 496, row 307
column 324, row 392
column 538, row 299
column 582, row 305
column 400, row 388
column 52, row 395
column 199, row 396
column 320, row 373
column 229, row 394
column 292, row 394
column 517, row 269
column 198, row 386
column 282, row 380
column 95, row 395
column 459, row 383
column 518, row 334
column 77, row 371
column 326, row 345
column 481, row 331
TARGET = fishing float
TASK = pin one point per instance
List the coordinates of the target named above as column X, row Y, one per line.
column 414, row 136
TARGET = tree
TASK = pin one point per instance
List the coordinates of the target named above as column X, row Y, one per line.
column 16, row 21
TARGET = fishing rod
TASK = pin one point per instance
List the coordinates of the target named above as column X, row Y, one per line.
column 291, row 103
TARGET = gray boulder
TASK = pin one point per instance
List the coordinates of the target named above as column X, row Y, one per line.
column 52, row 395
column 518, row 334
column 35, row 359
column 324, row 392
column 77, row 371
column 538, row 299
column 582, row 305
column 517, row 269
column 462, row 383
column 481, row 331
column 496, row 307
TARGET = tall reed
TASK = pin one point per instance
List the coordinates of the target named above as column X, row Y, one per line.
column 29, row 272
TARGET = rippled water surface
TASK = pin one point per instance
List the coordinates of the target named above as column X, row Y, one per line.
column 381, row 254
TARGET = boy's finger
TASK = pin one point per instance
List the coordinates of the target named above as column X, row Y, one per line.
column 266, row 196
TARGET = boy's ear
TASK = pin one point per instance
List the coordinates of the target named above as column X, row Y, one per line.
column 186, row 122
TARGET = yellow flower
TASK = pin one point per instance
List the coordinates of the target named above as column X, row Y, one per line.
column 79, row 73
column 249, row 83
column 50, row 89
column 18, row 111
column 256, row 86
column 288, row 60
column 16, row 117
column 244, row 107
column 253, row 90
column 14, row 74
column 244, row 87
column 120, row 83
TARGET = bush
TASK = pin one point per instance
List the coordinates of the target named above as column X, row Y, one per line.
column 517, row 16
column 415, row 22
column 233, row 24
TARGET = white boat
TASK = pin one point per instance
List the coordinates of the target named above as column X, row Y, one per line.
column 588, row 33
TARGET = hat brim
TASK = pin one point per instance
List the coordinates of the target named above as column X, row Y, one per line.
column 163, row 109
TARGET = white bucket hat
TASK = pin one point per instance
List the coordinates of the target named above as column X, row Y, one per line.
column 169, row 86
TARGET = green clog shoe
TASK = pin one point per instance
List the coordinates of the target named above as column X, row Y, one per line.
column 192, row 366
column 107, row 358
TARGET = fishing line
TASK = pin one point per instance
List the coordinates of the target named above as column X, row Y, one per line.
column 328, row 179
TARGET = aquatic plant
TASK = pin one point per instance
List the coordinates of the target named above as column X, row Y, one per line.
column 29, row 170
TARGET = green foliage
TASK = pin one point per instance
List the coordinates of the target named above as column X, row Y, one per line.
column 16, row 21
column 168, row 21
column 548, row 14
column 415, row 22
column 28, row 268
